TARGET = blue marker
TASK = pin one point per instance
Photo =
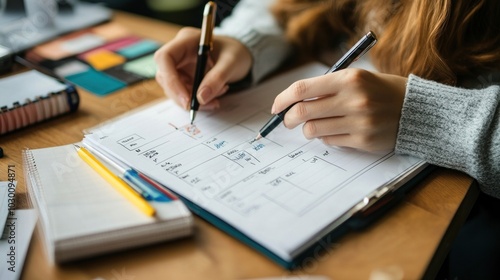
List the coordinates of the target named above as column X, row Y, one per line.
column 133, row 178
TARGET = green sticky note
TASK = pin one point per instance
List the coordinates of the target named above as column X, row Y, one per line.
column 139, row 49
column 144, row 66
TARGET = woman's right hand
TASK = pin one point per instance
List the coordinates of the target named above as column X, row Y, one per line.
column 229, row 61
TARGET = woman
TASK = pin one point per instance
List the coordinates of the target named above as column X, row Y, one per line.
column 436, row 95
column 428, row 51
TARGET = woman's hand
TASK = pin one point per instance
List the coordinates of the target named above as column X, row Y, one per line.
column 355, row 108
column 230, row 61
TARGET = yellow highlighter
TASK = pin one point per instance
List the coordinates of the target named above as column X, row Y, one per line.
column 116, row 182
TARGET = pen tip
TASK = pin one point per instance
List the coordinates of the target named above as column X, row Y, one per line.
column 258, row 137
column 192, row 115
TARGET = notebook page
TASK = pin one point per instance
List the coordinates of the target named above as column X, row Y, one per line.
column 280, row 191
column 30, row 84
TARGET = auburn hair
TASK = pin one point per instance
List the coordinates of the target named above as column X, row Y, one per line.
column 442, row 40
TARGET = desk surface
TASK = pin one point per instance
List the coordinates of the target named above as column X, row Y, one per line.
column 411, row 240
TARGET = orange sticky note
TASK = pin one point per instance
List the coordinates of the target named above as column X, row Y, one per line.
column 104, row 59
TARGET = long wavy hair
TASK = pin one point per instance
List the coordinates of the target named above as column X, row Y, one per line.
column 442, row 40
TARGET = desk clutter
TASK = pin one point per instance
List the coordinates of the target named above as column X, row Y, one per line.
column 101, row 59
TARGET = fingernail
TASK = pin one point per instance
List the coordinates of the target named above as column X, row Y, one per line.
column 204, row 95
column 272, row 109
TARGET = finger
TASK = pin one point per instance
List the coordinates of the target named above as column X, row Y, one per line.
column 169, row 58
column 187, row 68
column 214, row 104
column 320, row 86
column 181, row 49
column 325, row 107
column 184, row 43
column 215, row 81
column 326, row 127
column 172, row 84
column 299, row 91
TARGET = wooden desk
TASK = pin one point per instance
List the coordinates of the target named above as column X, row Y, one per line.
column 412, row 239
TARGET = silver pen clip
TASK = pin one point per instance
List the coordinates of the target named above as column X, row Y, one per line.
column 370, row 34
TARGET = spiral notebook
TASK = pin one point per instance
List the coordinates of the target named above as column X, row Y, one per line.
column 32, row 97
column 81, row 215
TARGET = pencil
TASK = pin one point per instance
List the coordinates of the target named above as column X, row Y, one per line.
column 118, row 183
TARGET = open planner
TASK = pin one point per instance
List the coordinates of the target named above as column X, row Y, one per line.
column 82, row 215
column 281, row 194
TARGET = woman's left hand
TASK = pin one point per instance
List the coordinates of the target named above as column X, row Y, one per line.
column 349, row 108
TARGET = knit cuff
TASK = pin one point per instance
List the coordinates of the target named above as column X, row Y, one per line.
column 436, row 122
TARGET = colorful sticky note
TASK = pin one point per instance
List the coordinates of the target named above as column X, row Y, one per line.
column 138, row 49
column 71, row 67
column 144, row 66
column 119, row 73
column 104, row 59
column 82, row 43
column 96, row 82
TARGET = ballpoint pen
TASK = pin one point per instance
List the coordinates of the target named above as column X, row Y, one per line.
column 358, row 50
column 203, row 53
column 120, row 185
column 131, row 176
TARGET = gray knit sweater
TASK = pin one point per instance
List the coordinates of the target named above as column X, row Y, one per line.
column 447, row 126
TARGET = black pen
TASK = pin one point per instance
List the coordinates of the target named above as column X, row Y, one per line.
column 359, row 49
column 203, row 53
column 40, row 69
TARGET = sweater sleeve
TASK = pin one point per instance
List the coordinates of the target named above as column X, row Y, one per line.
column 454, row 128
column 252, row 23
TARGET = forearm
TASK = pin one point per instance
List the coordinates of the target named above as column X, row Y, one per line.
column 454, row 128
column 252, row 23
